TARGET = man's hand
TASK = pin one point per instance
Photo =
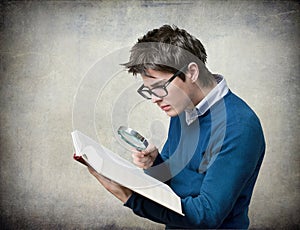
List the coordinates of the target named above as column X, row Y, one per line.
column 117, row 190
column 145, row 158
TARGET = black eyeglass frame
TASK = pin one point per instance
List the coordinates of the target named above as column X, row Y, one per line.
column 164, row 86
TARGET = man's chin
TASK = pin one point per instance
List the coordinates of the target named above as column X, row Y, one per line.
column 172, row 113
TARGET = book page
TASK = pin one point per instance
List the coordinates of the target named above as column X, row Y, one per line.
column 116, row 168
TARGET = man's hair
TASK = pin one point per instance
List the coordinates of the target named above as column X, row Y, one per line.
column 167, row 49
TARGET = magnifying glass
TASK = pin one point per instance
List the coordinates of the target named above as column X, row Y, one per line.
column 133, row 138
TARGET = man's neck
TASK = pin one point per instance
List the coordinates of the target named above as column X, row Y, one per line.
column 203, row 91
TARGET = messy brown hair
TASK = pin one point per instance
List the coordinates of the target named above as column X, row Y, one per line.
column 166, row 49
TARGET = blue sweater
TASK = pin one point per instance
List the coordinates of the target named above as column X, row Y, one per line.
column 212, row 164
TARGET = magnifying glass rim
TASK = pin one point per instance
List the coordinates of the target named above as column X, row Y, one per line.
column 134, row 134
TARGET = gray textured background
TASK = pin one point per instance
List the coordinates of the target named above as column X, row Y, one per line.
column 47, row 48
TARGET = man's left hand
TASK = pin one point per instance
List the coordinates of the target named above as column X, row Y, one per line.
column 122, row 193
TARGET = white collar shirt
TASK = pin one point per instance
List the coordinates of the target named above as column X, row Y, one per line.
column 216, row 94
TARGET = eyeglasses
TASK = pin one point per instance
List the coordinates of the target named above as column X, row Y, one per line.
column 160, row 90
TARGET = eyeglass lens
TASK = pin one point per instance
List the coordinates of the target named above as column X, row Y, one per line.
column 158, row 91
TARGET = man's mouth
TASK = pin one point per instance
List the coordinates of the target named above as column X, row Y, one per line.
column 165, row 107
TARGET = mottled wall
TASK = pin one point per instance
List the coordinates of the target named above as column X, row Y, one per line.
column 49, row 50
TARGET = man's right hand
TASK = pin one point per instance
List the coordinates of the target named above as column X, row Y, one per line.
column 145, row 158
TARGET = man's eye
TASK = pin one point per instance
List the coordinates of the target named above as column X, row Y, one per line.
column 159, row 85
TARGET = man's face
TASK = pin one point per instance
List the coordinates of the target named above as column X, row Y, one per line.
column 179, row 92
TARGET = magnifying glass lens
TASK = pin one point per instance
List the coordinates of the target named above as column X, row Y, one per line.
column 133, row 138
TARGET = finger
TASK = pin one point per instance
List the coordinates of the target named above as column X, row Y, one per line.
column 151, row 148
column 146, row 163
column 141, row 164
column 134, row 150
column 138, row 163
column 144, row 159
column 138, row 155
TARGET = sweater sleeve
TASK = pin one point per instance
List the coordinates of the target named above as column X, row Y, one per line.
column 234, row 168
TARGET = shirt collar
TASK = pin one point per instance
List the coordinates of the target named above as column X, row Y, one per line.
column 207, row 102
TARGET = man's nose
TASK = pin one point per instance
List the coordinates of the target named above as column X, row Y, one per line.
column 155, row 99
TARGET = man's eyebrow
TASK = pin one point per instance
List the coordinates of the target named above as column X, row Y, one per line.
column 156, row 83
column 148, row 75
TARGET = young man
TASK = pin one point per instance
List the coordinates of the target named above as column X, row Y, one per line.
column 215, row 144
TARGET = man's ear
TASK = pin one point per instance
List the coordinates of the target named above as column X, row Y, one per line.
column 193, row 70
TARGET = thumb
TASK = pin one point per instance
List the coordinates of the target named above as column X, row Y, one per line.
column 150, row 148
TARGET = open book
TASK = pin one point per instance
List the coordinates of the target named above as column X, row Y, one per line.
column 114, row 167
